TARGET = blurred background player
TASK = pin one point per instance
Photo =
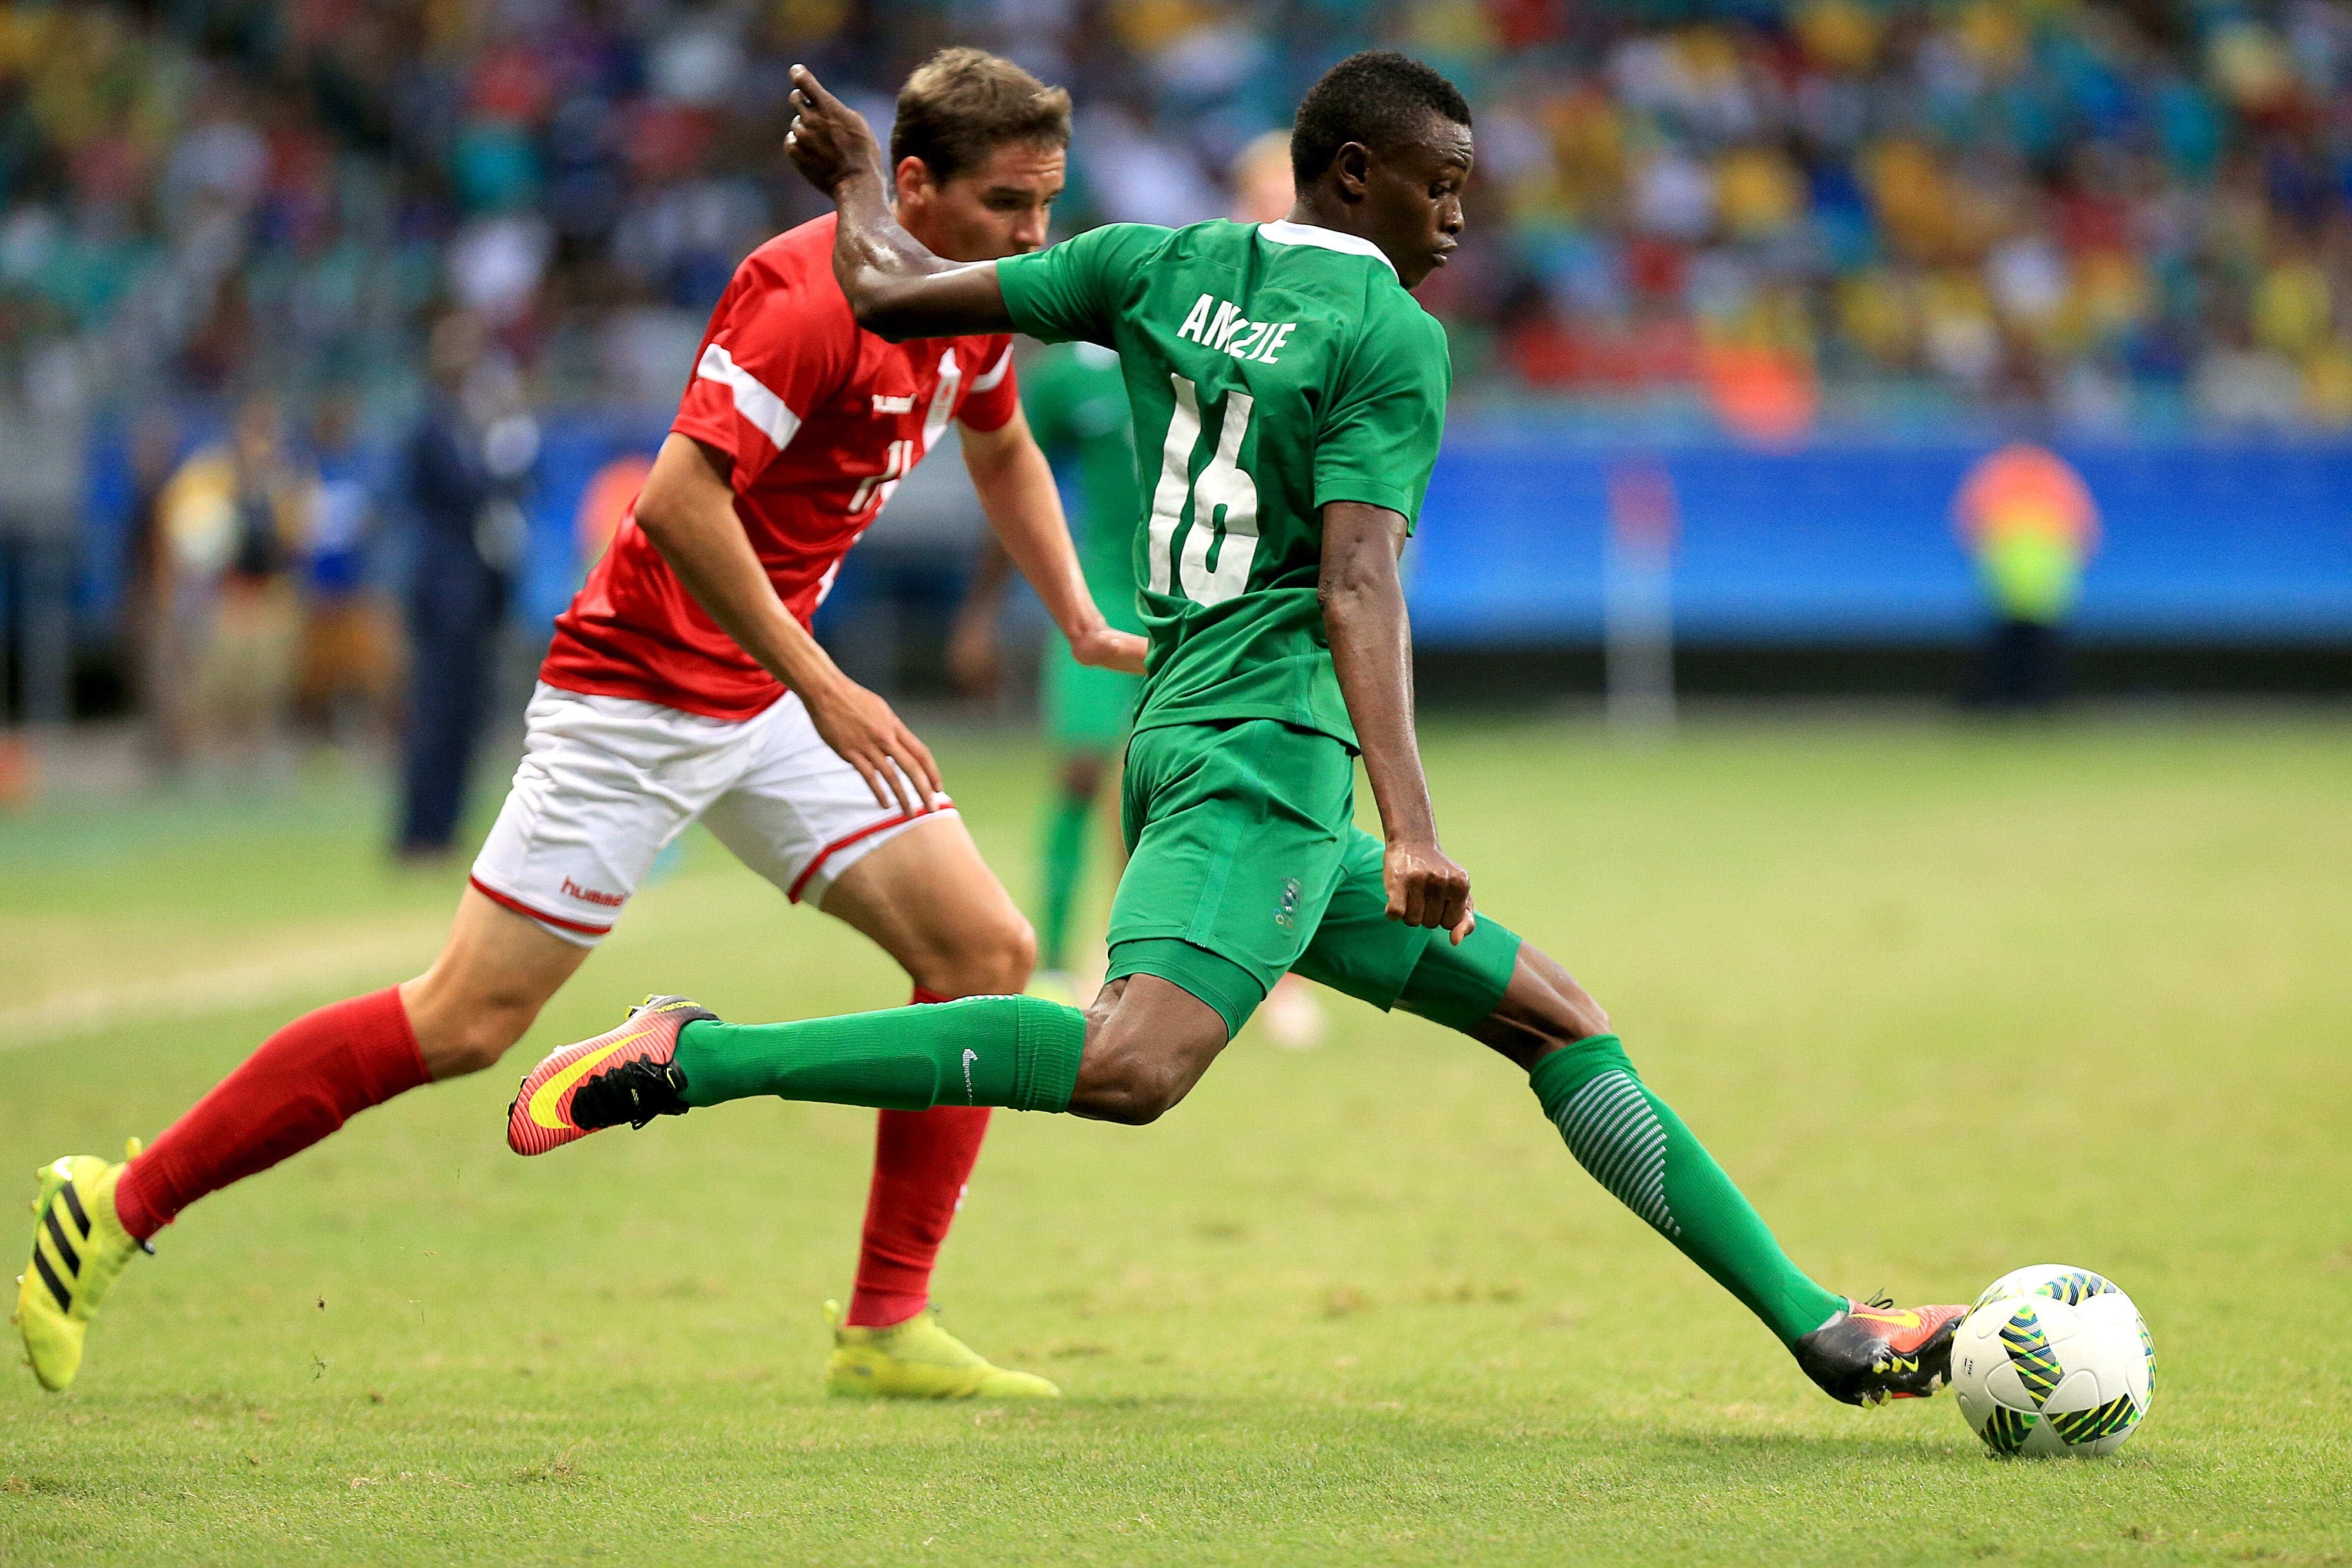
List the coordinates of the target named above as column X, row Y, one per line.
column 682, row 684
column 468, row 465
column 1076, row 404
column 2027, row 519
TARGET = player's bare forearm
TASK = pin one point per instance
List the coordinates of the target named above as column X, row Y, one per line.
column 1371, row 649
column 688, row 512
column 971, row 640
column 897, row 286
column 1016, row 490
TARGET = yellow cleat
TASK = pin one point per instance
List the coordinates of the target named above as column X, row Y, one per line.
column 78, row 1247
column 920, row 1360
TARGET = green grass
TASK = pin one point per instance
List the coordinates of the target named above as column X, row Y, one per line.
column 1944, row 1001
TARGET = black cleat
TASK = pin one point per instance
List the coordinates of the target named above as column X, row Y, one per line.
column 635, row 1092
column 1875, row 1350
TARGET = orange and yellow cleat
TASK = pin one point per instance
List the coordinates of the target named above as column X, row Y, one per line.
column 626, row 1075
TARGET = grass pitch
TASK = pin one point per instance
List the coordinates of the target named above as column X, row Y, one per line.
column 1944, row 1001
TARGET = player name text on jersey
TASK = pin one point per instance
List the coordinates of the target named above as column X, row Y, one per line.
column 1228, row 333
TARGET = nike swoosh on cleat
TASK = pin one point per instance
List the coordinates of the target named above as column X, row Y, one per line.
column 1902, row 1320
column 543, row 1099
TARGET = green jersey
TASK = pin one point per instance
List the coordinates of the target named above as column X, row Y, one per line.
column 1272, row 369
column 1076, row 403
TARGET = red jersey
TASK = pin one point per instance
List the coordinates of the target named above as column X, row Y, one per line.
column 823, row 419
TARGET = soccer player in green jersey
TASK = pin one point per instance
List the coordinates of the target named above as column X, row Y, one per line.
column 1288, row 395
column 1076, row 403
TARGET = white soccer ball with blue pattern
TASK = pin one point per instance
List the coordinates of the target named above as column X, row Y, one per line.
column 2054, row 1360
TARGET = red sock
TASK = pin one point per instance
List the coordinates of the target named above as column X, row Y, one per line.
column 304, row 1082
column 921, row 1161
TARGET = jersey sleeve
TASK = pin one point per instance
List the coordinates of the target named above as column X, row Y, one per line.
column 777, row 347
column 1074, row 289
column 995, row 391
column 1379, row 442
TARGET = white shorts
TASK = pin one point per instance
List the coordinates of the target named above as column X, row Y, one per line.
column 608, row 782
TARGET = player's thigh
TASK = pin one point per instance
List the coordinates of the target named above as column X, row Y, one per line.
column 605, row 785
column 1235, row 832
column 1357, row 949
column 800, row 816
column 927, row 899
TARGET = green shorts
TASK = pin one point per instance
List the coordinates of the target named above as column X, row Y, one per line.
column 1086, row 708
column 1245, row 862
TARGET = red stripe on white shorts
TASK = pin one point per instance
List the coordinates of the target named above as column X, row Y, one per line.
column 520, row 907
column 793, row 893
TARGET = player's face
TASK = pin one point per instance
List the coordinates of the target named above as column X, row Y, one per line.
column 998, row 209
column 1413, row 199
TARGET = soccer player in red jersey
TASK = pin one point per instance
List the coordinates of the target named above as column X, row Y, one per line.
column 682, row 684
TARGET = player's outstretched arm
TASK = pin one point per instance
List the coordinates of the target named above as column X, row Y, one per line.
column 896, row 288
column 687, row 510
column 1372, row 647
column 1016, row 490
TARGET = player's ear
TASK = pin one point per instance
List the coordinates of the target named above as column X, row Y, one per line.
column 912, row 179
column 1351, row 166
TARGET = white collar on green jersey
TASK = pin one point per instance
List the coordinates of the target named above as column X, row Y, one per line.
column 1284, row 232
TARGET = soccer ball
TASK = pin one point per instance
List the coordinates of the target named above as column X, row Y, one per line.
column 2054, row 1360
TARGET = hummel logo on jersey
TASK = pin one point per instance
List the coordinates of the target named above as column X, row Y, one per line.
column 970, row 1055
column 590, row 895
column 1228, row 333
column 894, row 404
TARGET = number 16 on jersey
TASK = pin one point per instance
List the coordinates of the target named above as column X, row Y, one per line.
column 1214, row 564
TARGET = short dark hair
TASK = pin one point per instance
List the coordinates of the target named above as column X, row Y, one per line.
column 1379, row 98
column 961, row 105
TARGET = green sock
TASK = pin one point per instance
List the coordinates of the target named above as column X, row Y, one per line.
column 1633, row 1145
column 1067, row 822
column 1017, row 1051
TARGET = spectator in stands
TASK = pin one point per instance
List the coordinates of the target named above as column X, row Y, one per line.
column 466, row 468
column 232, row 519
column 2026, row 517
column 346, row 665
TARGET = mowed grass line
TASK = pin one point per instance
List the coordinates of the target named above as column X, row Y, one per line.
column 1944, row 1001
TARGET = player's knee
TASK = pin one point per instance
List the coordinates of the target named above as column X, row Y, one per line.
column 990, row 957
column 1081, row 775
column 1584, row 1016
column 459, row 1042
column 1133, row 1094
column 1134, row 1079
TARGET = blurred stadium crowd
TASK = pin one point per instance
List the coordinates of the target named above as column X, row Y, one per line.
column 235, row 236
column 2070, row 205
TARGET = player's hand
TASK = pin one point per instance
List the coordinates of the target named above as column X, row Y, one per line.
column 1426, row 888
column 871, row 738
column 1105, row 649
column 972, row 651
column 829, row 140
